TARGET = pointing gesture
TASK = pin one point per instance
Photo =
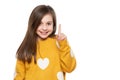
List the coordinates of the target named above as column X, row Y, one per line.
column 60, row 36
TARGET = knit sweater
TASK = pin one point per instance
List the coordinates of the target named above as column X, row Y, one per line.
column 54, row 59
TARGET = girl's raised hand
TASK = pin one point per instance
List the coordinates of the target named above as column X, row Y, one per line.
column 60, row 36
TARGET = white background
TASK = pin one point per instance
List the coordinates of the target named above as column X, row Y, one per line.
column 92, row 28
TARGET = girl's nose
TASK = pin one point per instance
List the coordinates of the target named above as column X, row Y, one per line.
column 44, row 27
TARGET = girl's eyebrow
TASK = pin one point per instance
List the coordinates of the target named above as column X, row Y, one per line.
column 50, row 21
column 47, row 21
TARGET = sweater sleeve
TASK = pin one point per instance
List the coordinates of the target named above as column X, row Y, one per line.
column 19, row 71
column 67, row 59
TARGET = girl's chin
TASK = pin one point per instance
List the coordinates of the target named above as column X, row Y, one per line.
column 44, row 37
column 41, row 36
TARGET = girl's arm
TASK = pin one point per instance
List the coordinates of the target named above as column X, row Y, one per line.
column 67, row 59
column 20, row 70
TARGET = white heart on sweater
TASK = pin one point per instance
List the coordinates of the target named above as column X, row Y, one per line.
column 43, row 63
column 60, row 76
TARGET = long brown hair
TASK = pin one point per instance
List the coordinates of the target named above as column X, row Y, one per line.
column 27, row 49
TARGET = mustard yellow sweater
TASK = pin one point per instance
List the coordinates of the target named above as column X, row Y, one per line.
column 54, row 59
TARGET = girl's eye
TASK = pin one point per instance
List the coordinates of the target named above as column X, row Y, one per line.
column 49, row 23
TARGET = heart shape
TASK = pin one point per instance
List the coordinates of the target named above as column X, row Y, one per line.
column 43, row 63
column 60, row 76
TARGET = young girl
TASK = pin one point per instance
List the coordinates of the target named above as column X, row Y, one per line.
column 43, row 55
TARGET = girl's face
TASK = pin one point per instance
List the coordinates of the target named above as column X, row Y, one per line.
column 46, row 27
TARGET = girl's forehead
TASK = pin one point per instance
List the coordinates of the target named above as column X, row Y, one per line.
column 47, row 17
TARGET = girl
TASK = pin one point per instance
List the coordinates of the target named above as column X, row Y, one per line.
column 43, row 55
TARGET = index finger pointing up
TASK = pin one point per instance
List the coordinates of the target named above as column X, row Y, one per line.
column 59, row 29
